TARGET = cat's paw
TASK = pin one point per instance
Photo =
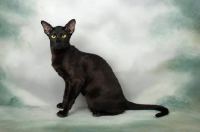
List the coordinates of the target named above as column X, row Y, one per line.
column 62, row 114
column 60, row 106
column 96, row 114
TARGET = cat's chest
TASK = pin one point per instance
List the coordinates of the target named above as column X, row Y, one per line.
column 63, row 68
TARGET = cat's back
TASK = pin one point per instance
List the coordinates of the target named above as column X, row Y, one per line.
column 99, row 76
column 94, row 62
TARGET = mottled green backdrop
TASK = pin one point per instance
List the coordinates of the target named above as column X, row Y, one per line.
column 152, row 46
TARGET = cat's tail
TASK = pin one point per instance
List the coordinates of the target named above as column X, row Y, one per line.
column 132, row 106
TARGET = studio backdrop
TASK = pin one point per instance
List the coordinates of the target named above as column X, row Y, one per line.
column 152, row 46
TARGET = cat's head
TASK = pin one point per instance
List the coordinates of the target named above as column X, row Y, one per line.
column 59, row 36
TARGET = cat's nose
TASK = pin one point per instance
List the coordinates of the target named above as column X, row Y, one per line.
column 58, row 41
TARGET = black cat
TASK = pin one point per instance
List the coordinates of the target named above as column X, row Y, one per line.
column 88, row 74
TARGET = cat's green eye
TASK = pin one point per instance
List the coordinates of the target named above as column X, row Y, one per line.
column 53, row 36
column 64, row 36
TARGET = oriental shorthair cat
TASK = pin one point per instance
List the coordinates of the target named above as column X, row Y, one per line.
column 88, row 74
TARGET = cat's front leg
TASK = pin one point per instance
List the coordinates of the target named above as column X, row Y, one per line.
column 70, row 96
column 60, row 105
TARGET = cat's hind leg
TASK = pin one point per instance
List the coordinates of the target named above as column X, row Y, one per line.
column 95, row 112
column 106, row 112
column 111, row 113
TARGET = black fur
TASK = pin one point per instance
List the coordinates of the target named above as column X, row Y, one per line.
column 88, row 74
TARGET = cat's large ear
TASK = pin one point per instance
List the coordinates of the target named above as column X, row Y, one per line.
column 70, row 26
column 47, row 27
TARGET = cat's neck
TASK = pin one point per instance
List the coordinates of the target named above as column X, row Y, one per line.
column 58, row 53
